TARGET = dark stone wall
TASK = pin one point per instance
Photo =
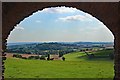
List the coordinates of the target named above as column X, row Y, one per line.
column 0, row 40
column 107, row 12
column 117, row 48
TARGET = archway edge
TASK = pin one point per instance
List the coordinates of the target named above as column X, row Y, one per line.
column 107, row 12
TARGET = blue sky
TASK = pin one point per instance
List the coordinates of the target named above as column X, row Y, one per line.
column 65, row 24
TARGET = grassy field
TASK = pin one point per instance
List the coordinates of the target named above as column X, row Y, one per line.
column 72, row 67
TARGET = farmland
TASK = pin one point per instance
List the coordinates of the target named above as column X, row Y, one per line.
column 76, row 65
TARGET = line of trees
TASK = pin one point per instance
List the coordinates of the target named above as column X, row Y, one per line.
column 42, row 49
column 30, row 57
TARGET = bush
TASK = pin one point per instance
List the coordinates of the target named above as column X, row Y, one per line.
column 63, row 58
column 60, row 55
column 14, row 55
column 51, row 58
column 17, row 56
column 31, row 57
column 42, row 58
column 36, row 57
column 91, row 56
column 24, row 58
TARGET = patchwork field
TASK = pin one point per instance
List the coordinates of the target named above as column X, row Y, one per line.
column 75, row 66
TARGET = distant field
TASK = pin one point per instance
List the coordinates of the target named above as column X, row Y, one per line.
column 72, row 67
column 10, row 55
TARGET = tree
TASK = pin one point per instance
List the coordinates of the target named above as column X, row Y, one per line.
column 63, row 58
column 42, row 58
column 48, row 57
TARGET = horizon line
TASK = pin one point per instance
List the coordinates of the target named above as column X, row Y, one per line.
column 59, row 41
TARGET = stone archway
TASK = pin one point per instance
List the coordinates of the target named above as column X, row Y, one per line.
column 108, row 13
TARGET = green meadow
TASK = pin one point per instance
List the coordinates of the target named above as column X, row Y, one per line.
column 76, row 65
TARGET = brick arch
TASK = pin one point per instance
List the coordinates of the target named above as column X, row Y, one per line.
column 107, row 13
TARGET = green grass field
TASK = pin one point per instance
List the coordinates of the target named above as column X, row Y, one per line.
column 72, row 67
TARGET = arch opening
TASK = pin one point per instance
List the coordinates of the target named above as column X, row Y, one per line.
column 73, row 19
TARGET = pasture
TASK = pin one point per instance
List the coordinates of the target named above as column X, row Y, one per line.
column 74, row 66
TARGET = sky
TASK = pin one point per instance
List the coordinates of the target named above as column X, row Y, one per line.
column 60, row 24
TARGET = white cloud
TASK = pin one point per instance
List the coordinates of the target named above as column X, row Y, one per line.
column 73, row 18
column 61, row 9
column 38, row 21
column 19, row 28
column 86, row 17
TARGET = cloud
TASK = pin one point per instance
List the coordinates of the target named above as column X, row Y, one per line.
column 38, row 21
column 86, row 17
column 61, row 9
column 73, row 18
column 19, row 28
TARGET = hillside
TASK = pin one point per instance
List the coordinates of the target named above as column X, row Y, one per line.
column 74, row 66
column 55, row 47
column 42, row 48
column 103, row 55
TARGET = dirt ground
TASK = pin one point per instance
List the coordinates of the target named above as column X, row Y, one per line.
column 9, row 55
